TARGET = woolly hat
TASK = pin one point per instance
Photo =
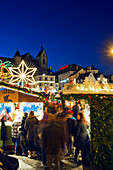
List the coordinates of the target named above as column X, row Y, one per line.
column 70, row 112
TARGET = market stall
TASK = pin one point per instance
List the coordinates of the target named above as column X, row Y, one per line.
column 14, row 103
column 100, row 100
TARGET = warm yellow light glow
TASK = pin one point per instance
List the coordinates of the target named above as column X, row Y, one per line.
column 111, row 51
column 22, row 76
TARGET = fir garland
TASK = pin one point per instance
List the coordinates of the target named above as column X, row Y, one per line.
column 101, row 117
column 41, row 96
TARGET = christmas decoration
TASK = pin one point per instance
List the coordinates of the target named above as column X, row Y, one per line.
column 22, row 75
column 24, row 90
column 88, row 86
column 7, row 64
column 4, row 71
column 101, row 117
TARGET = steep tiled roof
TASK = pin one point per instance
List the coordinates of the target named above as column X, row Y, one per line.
column 97, row 75
column 69, row 67
column 17, row 53
column 83, row 76
column 27, row 56
column 75, row 72
column 8, row 59
column 91, row 67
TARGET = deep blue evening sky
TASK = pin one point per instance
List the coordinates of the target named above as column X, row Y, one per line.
column 70, row 31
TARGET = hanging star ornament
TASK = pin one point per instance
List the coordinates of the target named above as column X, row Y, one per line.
column 22, row 75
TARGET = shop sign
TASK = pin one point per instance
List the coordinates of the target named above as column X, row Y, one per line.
column 8, row 96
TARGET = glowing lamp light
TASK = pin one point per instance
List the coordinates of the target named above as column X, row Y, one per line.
column 112, row 51
column 22, row 76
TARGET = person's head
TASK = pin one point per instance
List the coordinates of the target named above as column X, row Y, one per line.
column 62, row 116
column 25, row 114
column 31, row 113
column 81, row 117
column 70, row 114
column 52, row 118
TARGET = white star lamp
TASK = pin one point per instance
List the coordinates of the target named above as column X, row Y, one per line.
column 22, row 75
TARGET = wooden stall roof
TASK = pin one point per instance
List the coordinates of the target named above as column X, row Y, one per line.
column 10, row 95
column 22, row 97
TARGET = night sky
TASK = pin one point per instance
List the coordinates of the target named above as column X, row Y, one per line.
column 70, row 31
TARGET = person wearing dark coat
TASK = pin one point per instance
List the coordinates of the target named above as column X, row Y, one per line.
column 23, row 133
column 80, row 137
column 71, row 124
column 53, row 140
column 3, row 132
column 29, row 126
column 76, row 109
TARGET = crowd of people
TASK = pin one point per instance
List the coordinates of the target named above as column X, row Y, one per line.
column 61, row 132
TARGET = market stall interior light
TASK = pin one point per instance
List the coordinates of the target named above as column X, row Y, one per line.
column 63, row 81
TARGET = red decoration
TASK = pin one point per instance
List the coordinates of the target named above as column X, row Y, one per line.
column 82, row 94
column 28, row 86
column 63, row 67
column 89, row 97
column 10, row 85
column 70, row 82
column 2, row 65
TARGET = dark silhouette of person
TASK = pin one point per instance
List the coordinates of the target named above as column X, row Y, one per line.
column 29, row 126
column 23, row 134
column 76, row 109
column 80, row 137
column 3, row 132
column 53, row 140
column 71, row 124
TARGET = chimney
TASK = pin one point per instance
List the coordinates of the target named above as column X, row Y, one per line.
column 76, row 67
column 50, row 67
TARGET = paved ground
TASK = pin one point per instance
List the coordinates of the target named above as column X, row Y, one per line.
column 33, row 164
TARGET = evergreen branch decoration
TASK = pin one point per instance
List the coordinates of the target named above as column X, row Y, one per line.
column 101, row 117
column 41, row 96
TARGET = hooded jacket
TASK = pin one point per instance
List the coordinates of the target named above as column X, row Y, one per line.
column 29, row 126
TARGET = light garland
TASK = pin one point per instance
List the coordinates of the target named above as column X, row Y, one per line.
column 22, row 75
column 4, row 71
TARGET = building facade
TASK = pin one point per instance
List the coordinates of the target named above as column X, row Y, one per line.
column 44, row 78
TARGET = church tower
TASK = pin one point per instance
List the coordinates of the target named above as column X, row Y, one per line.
column 42, row 58
column 17, row 57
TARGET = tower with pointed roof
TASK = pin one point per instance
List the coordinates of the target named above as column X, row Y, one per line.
column 42, row 58
column 17, row 57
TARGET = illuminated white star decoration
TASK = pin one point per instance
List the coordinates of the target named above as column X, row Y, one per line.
column 22, row 75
